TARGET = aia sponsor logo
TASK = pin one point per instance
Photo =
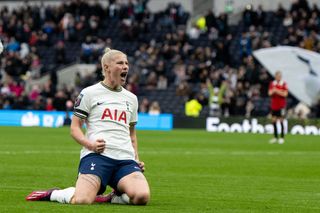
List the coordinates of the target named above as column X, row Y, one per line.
column 115, row 115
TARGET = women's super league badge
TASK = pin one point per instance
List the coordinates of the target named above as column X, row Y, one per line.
column 78, row 100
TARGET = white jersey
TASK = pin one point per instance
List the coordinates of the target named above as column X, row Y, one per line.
column 108, row 115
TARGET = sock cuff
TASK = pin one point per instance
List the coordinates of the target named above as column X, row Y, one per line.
column 122, row 199
column 63, row 196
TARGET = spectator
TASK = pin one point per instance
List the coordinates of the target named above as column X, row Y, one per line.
column 210, row 20
column 214, row 106
column 152, row 81
column 248, row 15
column 69, row 105
column 7, row 105
column 183, row 89
column 49, row 104
column 60, row 53
column 132, row 85
column 154, row 108
column 59, row 102
column 144, row 106
column 86, row 50
column 194, row 32
column 162, row 83
column 193, row 107
column 67, row 119
column 16, row 88
column 301, row 111
column 260, row 16
column 35, row 93
column 245, row 45
column 13, row 45
column 226, row 98
column 24, row 50
column 5, row 89
column 280, row 11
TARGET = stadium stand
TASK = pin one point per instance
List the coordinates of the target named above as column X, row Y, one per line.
column 169, row 61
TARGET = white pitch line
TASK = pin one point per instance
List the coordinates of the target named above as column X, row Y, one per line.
column 172, row 152
column 32, row 152
column 220, row 152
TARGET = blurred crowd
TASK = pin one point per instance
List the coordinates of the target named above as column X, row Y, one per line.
column 235, row 90
column 26, row 29
column 209, row 63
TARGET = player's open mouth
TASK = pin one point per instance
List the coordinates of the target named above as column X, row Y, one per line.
column 124, row 74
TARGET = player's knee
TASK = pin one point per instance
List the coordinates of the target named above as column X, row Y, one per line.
column 141, row 198
column 82, row 200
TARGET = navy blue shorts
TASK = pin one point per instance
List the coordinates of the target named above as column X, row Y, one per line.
column 109, row 170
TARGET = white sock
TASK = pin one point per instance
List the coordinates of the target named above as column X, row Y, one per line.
column 62, row 196
column 122, row 199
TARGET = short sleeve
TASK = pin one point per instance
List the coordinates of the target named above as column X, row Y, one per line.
column 82, row 105
column 134, row 117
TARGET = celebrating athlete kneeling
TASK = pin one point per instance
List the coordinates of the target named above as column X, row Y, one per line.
column 110, row 149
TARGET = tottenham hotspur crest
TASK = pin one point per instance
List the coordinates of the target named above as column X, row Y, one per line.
column 127, row 103
column 92, row 166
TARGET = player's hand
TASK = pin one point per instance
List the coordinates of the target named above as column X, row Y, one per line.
column 98, row 146
column 141, row 165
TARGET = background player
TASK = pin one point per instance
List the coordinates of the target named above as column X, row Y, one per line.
column 110, row 150
column 278, row 91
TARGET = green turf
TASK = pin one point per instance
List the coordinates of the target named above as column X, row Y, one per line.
column 188, row 171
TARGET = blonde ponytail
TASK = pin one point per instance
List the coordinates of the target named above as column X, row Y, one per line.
column 106, row 50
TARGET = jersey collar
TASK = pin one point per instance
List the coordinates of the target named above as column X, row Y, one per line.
column 109, row 88
column 281, row 82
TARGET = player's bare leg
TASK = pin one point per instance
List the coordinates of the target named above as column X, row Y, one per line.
column 135, row 189
column 87, row 187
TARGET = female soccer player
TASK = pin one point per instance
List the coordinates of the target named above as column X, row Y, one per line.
column 278, row 91
column 110, row 149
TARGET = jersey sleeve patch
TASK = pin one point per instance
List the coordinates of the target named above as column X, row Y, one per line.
column 78, row 100
column 80, row 106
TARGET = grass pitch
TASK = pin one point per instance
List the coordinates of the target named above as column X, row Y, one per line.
column 188, row 171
